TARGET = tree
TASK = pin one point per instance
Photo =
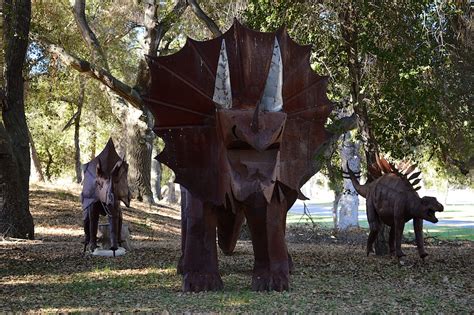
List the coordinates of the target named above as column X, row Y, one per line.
column 126, row 98
column 15, row 217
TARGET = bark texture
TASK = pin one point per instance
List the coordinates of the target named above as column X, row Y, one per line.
column 136, row 132
column 348, row 205
column 15, row 217
column 124, row 99
column 77, row 126
column 156, row 175
column 350, row 33
column 35, row 159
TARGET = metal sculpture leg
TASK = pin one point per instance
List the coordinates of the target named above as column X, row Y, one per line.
column 87, row 231
column 418, row 227
column 271, row 266
column 200, row 269
column 94, row 211
column 228, row 228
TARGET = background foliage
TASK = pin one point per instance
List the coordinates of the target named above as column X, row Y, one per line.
column 417, row 74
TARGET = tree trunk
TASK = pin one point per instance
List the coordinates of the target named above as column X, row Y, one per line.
column 48, row 164
column 156, row 175
column 349, row 29
column 139, row 145
column 335, row 206
column 93, row 137
column 77, row 126
column 348, row 207
column 15, row 217
column 36, row 161
column 136, row 121
column 170, row 197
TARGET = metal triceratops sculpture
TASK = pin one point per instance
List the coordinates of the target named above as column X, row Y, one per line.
column 242, row 117
column 105, row 185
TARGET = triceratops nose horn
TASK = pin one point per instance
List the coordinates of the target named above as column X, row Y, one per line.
column 254, row 126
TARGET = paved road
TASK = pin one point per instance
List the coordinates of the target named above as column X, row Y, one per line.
column 459, row 219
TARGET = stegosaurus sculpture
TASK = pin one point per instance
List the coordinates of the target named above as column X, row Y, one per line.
column 392, row 199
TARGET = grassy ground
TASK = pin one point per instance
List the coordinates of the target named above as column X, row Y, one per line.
column 442, row 230
column 332, row 272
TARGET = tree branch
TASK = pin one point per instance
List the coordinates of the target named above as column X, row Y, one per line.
column 131, row 27
column 100, row 74
column 98, row 55
column 211, row 25
column 156, row 31
column 338, row 128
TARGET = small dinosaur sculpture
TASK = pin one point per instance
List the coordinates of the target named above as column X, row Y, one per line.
column 392, row 199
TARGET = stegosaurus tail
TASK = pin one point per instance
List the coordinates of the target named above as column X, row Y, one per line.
column 402, row 170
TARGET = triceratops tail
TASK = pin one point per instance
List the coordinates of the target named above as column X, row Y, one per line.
column 361, row 189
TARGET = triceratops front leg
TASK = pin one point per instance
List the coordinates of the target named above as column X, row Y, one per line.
column 199, row 261
column 271, row 266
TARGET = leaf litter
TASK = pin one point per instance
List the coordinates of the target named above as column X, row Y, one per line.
column 332, row 272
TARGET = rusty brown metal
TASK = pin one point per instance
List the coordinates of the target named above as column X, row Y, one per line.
column 242, row 117
column 105, row 184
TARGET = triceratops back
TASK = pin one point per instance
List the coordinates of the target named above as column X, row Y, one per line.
column 181, row 99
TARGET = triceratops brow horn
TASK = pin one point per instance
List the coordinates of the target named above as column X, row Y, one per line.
column 222, row 91
column 272, row 100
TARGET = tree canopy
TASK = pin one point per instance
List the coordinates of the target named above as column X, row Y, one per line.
column 414, row 68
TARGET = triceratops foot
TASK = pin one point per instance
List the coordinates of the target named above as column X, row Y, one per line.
column 197, row 282
column 369, row 250
column 423, row 255
column 272, row 281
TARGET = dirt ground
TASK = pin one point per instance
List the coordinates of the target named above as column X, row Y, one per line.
column 332, row 273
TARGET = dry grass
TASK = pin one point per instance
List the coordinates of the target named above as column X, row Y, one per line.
column 332, row 274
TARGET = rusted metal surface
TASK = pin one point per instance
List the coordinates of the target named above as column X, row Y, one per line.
column 181, row 100
column 242, row 116
column 392, row 199
column 105, row 185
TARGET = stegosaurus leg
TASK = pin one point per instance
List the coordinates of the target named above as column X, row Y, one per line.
column 374, row 226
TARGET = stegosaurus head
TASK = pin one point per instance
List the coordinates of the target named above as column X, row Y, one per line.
column 241, row 114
